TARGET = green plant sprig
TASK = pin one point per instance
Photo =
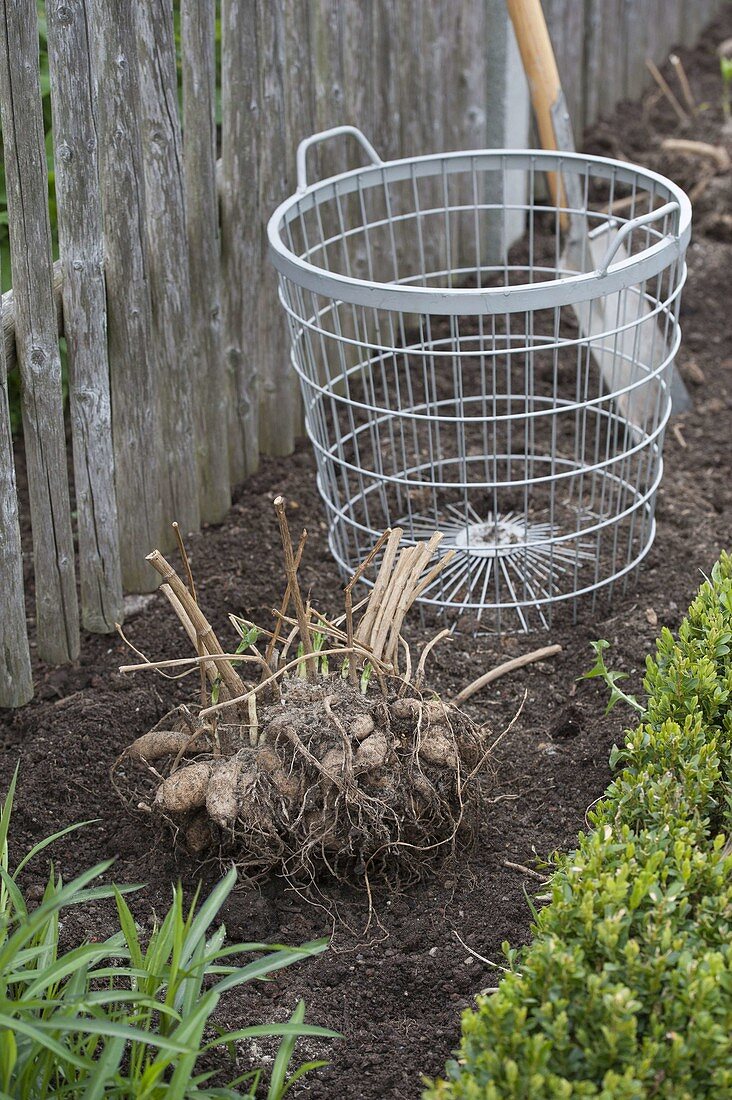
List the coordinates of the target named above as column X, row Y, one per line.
column 127, row 1017
column 725, row 68
column 617, row 695
column 625, row 990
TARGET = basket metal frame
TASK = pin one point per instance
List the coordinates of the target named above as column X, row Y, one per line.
column 532, row 524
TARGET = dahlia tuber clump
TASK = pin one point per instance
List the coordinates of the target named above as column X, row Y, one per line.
column 312, row 752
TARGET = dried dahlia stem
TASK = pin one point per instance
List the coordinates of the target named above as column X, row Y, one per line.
column 433, row 572
column 294, row 585
column 406, row 599
column 274, row 637
column 393, row 593
column 204, row 630
column 348, row 599
column 208, row 666
column 365, row 627
column 192, row 589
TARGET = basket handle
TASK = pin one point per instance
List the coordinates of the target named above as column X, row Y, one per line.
column 314, row 139
column 628, row 227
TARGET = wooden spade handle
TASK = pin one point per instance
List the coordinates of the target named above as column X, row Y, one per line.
column 539, row 63
column 541, row 71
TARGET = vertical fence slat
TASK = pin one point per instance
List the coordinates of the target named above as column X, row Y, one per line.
column 239, row 231
column 358, row 62
column 470, row 49
column 298, row 85
column 167, row 252
column 469, row 103
column 604, row 80
column 198, row 34
column 636, row 48
column 16, row 681
column 138, row 447
column 385, row 80
column 566, row 22
column 85, row 312
column 36, row 333
column 326, row 62
column 278, row 389
column 298, row 105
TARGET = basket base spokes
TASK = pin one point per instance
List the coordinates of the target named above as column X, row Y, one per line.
column 502, row 558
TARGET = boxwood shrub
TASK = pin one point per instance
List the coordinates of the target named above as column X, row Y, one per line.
column 626, row 988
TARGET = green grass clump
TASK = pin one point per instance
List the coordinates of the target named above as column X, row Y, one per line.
column 128, row 1016
column 626, row 988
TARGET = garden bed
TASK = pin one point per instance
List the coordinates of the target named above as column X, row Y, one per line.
column 397, row 993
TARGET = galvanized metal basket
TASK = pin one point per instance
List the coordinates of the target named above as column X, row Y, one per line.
column 478, row 358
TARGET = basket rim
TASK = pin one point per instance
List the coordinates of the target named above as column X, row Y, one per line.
column 454, row 301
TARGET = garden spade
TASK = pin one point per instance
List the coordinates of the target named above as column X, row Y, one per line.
column 621, row 327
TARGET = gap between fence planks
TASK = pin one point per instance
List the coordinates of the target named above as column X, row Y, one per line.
column 36, row 333
column 81, row 246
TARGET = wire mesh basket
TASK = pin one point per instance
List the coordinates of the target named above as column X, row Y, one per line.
column 478, row 358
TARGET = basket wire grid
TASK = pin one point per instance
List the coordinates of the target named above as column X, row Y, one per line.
column 459, row 373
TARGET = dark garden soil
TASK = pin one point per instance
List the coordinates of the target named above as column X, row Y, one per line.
column 397, row 995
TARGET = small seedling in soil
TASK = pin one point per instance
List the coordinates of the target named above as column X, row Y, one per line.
column 617, row 695
column 331, row 761
column 725, row 68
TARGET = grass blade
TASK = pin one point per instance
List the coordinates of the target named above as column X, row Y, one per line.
column 260, row 968
column 284, row 1055
column 39, row 847
column 208, row 912
column 105, row 1068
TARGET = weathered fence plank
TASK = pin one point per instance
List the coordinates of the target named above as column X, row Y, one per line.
column 198, row 37
column 326, row 62
column 566, row 20
column 278, row 387
column 167, row 253
column 36, row 335
column 636, row 48
column 298, row 108
column 16, row 680
column 605, row 68
column 240, row 257
column 8, row 317
column 85, row 312
column 298, row 85
column 139, row 452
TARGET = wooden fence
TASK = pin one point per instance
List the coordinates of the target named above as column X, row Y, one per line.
column 602, row 46
column 169, row 155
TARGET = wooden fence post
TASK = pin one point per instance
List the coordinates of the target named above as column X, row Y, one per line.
column 85, row 312
column 240, row 257
column 198, row 31
column 138, row 445
column 570, row 28
column 36, row 333
column 16, row 681
column 167, row 252
column 279, row 392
